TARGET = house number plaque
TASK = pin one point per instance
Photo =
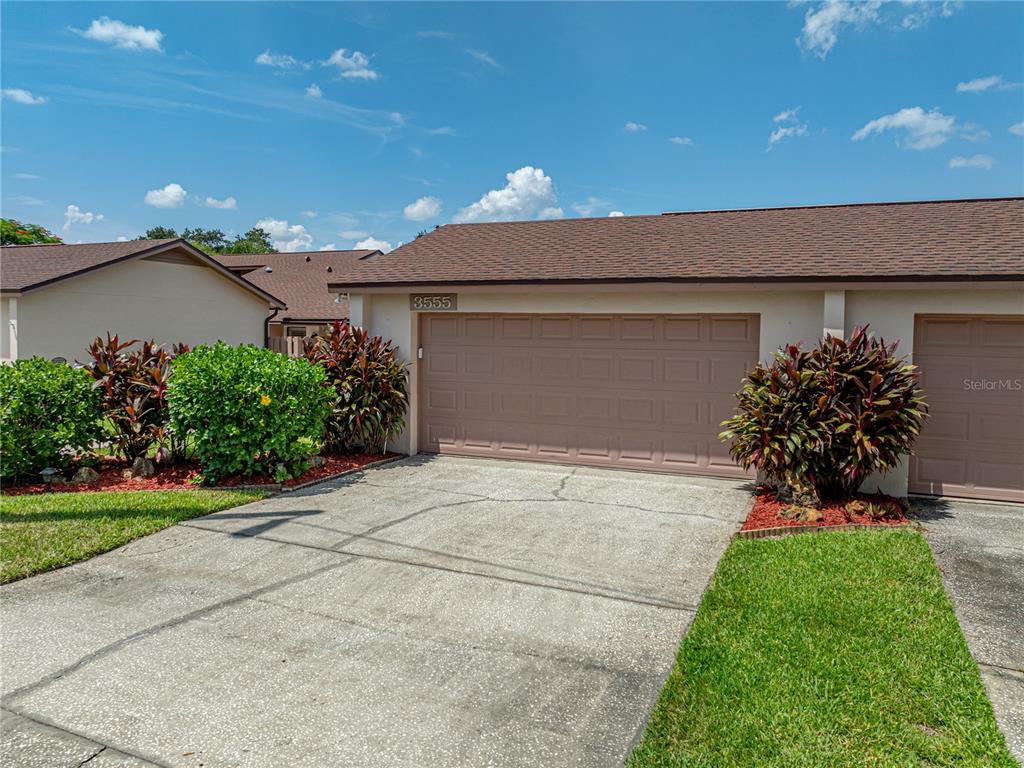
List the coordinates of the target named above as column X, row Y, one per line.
column 434, row 302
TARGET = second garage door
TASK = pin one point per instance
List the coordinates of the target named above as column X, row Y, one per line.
column 972, row 373
column 635, row 391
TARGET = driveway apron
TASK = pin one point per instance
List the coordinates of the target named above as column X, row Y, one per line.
column 979, row 549
column 436, row 611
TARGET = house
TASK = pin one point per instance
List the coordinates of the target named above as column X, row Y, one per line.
column 300, row 280
column 55, row 299
column 621, row 341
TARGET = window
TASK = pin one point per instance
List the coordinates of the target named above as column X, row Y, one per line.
column 296, row 331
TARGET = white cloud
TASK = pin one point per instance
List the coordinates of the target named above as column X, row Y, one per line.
column 529, row 193
column 590, row 206
column 121, row 35
column 227, row 204
column 924, row 130
column 314, row 92
column 309, row 214
column 122, row 239
column 75, row 215
column 683, row 141
column 444, row 130
column 373, row 244
column 422, row 209
column 354, row 234
column 822, row 24
column 327, row 247
column 635, row 127
column 287, row 237
column 974, row 161
column 615, row 214
column 483, row 56
column 354, row 66
column 27, row 176
column 979, row 84
column 974, row 133
column 824, row 21
column 789, row 126
column 171, row 196
column 280, row 60
column 439, row 34
column 21, row 96
column 1017, row 129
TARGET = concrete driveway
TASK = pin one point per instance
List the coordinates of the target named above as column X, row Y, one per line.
column 434, row 612
column 979, row 549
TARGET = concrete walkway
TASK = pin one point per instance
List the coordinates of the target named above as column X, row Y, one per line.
column 979, row 549
column 434, row 612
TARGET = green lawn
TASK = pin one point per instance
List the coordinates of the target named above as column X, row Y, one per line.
column 40, row 532
column 832, row 649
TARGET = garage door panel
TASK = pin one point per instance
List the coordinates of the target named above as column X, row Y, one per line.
column 732, row 330
column 1000, row 333
column 683, row 329
column 973, row 442
column 641, row 391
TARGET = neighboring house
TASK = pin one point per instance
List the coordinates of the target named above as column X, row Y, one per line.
column 621, row 341
column 55, row 299
column 300, row 280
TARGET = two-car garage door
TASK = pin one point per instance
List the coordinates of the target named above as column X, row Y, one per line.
column 636, row 391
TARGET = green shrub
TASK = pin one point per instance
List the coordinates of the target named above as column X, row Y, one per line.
column 370, row 385
column 819, row 422
column 251, row 410
column 133, row 394
column 48, row 414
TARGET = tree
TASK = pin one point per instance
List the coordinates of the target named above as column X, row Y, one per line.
column 13, row 232
column 256, row 240
column 158, row 233
column 208, row 240
column 214, row 241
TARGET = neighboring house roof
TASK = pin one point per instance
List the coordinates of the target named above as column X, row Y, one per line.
column 25, row 268
column 937, row 240
column 300, row 279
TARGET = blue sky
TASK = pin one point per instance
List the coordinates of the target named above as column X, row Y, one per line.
column 341, row 124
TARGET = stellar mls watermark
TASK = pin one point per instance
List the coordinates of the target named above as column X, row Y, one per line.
column 993, row 385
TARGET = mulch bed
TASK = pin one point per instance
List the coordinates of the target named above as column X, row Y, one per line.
column 181, row 477
column 767, row 513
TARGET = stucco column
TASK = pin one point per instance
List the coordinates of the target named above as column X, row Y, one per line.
column 12, row 328
column 835, row 314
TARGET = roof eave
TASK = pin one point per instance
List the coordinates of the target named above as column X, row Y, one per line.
column 952, row 278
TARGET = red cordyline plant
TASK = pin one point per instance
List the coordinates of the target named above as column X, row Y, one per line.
column 133, row 394
column 370, row 384
column 818, row 423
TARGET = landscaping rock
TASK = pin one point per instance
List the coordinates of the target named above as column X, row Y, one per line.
column 84, row 475
column 316, row 462
column 143, row 467
column 802, row 514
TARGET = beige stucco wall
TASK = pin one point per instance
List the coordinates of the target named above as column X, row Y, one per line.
column 797, row 315
column 141, row 299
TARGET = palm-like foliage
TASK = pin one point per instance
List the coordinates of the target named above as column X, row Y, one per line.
column 370, row 384
column 133, row 394
column 829, row 417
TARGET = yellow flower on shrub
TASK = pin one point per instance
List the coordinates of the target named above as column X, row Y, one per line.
column 265, row 400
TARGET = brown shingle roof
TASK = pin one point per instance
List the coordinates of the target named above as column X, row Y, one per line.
column 301, row 284
column 940, row 240
column 28, row 267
